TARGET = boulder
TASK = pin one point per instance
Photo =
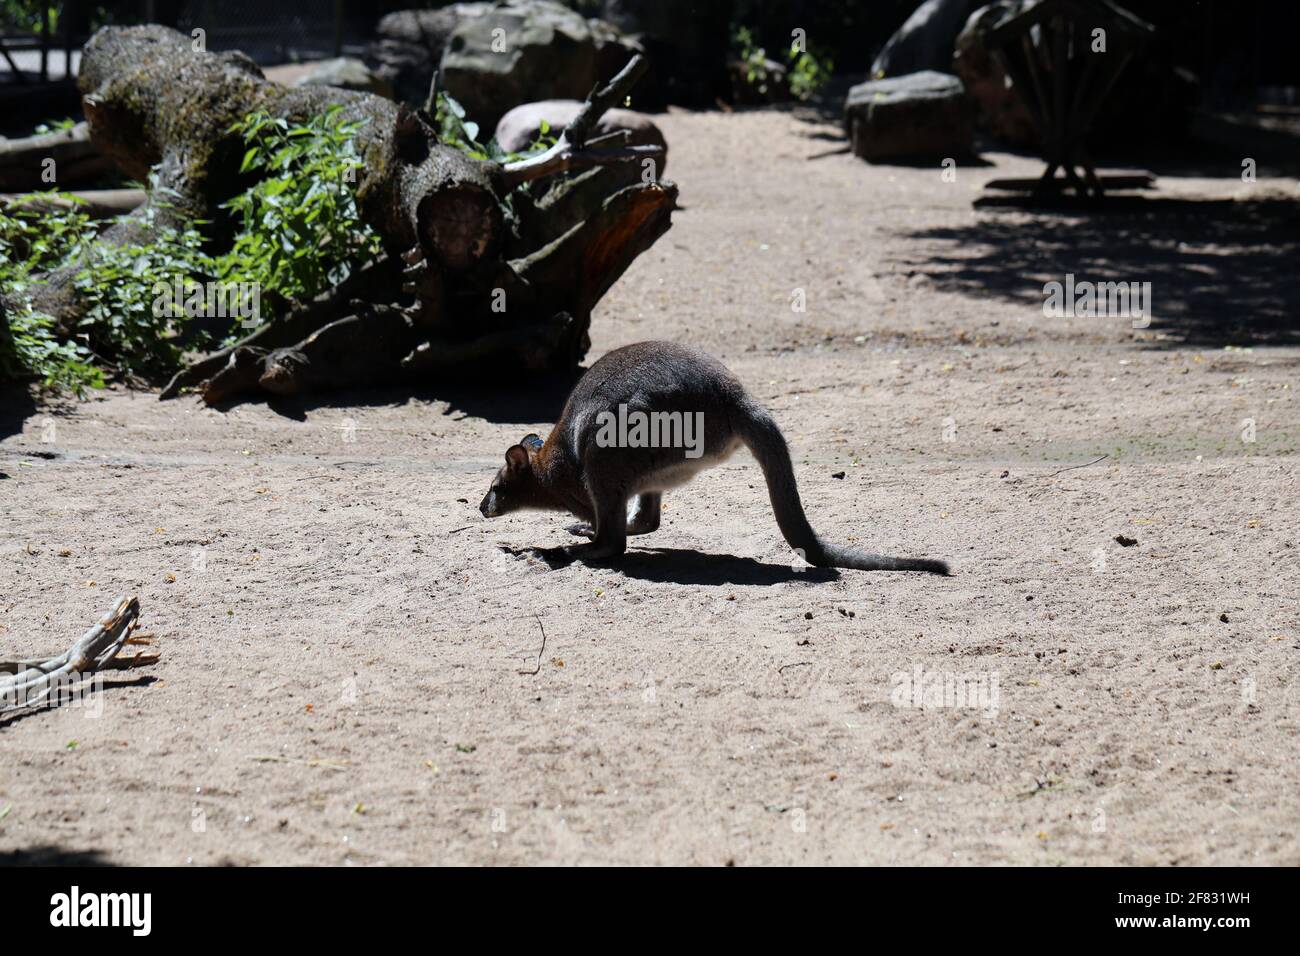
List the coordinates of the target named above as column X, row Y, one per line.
column 998, row 105
column 346, row 73
column 521, row 126
column 925, row 41
column 921, row 116
column 758, row 83
column 408, row 47
column 504, row 54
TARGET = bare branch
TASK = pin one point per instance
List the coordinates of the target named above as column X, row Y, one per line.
column 34, row 682
column 572, row 150
column 601, row 99
column 563, row 157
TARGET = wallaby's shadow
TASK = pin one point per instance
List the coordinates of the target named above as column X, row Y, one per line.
column 684, row 566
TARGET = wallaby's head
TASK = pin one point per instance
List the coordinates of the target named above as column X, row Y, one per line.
column 515, row 486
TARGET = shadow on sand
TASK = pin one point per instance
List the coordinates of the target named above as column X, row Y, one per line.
column 1222, row 272
column 16, row 406
column 684, row 566
column 522, row 399
column 50, row 855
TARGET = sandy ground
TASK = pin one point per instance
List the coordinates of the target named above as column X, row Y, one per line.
column 348, row 647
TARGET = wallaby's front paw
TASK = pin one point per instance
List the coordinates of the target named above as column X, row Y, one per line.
column 582, row 529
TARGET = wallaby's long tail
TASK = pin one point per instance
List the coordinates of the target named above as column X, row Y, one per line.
column 764, row 438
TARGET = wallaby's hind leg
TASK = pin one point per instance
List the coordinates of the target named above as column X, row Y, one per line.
column 611, row 533
column 643, row 519
column 645, row 513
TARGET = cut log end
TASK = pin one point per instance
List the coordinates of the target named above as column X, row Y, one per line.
column 460, row 227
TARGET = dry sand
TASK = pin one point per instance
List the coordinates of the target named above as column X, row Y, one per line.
column 347, row 646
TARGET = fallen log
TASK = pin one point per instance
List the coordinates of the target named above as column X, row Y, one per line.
column 369, row 282
column 95, row 203
column 154, row 103
column 62, row 159
column 147, row 94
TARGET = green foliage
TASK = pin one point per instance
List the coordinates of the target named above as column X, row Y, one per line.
column 122, row 318
column 34, row 347
column 456, row 130
column 50, row 126
column 299, row 231
column 33, row 240
column 808, row 73
column 754, row 57
column 27, row 15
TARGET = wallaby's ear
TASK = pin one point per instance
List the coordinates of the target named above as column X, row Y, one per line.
column 516, row 458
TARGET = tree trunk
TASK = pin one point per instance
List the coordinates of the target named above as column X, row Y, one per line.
column 64, row 158
column 148, row 93
column 152, row 100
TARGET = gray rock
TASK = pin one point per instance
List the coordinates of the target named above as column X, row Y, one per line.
column 521, row 126
column 408, row 47
column 925, row 41
column 998, row 105
column 347, row 74
column 772, row 85
column 501, row 55
column 921, row 116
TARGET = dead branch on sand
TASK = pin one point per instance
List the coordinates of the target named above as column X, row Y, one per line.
column 33, row 682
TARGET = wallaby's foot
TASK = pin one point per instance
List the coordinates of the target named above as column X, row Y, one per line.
column 581, row 529
column 595, row 553
column 611, row 532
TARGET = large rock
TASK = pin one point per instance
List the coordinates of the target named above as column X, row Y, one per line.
column 921, row 116
column 773, row 86
column 408, row 47
column 998, row 105
column 346, row 73
column 521, row 126
column 925, row 41
column 501, row 55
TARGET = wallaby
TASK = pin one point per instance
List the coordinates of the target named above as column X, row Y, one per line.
column 663, row 390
